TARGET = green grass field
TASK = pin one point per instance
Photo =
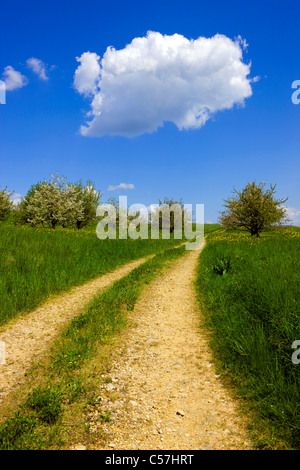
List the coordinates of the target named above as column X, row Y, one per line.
column 67, row 381
column 36, row 263
column 249, row 292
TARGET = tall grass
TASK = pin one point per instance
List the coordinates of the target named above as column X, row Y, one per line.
column 250, row 297
column 36, row 263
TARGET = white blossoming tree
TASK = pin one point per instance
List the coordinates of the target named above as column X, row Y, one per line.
column 54, row 203
column 6, row 204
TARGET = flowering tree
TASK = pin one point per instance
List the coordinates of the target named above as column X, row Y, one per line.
column 254, row 208
column 88, row 198
column 170, row 216
column 57, row 202
column 54, row 203
column 6, row 204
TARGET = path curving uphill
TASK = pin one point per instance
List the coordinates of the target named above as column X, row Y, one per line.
column 162, row 391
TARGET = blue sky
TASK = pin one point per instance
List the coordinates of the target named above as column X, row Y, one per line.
column 41, row 120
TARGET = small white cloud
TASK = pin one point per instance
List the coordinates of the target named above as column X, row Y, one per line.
column 13, row 79
column 16, row 198
column 38, row 67
column 293, row 214
column 255, row 79
column 121, row 186
column 159, row 78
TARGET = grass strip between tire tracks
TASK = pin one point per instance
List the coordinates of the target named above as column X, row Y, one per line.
column 39, row 422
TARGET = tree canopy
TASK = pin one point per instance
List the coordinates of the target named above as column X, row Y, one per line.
column 56, row 202
column 6, row 204
column 254, row 208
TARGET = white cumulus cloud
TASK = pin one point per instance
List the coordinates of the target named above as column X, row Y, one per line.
column 121, row 186
column 38, row 67
column 87, row 74
column 13, row 79
column 160, row 78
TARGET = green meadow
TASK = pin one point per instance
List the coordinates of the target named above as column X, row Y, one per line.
column 248, row 289
column 67, row 384
column 36, row 263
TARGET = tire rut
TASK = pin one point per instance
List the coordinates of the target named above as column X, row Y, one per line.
column 28, row 337
column 162, row 391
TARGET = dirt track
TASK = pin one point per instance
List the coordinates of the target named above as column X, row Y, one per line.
column 164, row 392
column 28, row 337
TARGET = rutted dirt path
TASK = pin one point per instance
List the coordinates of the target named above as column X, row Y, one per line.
column 28, row 337
column 162, row 391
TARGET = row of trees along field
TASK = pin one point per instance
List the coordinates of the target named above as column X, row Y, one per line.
column 52, row 203
column 56, row 202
